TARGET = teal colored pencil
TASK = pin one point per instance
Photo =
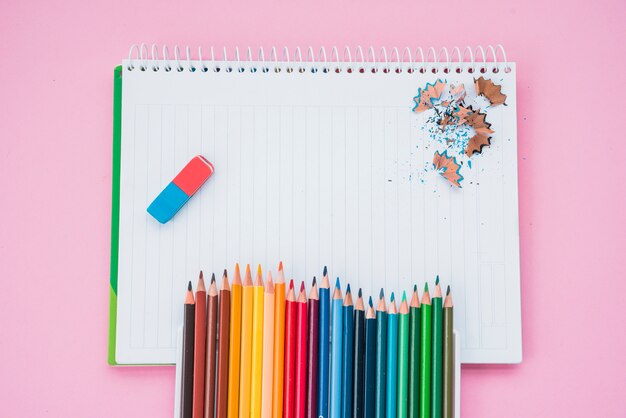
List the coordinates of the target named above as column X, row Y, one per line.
column 336, row 347
column 392, row 359
column 381, row 358
column 323, row 353
column 403, row 358
column 425, row 353
column 348, row 353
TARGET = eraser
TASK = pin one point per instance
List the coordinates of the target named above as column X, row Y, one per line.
column 178, row 191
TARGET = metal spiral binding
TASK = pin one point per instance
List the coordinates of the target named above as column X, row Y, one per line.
column 480, row 59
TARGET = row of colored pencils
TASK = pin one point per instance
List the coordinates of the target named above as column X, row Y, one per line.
column 261, row 350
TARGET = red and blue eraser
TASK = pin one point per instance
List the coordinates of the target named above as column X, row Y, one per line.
column 179, row 191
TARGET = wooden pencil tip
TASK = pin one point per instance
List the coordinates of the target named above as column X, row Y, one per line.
column 415, row 288
column 248, row 269
column 189, row 287
column 448, row 290
column 302, row 286
column 426, row 287
column 370, row 302
column 348, row 289
column 314, row 281
column 393, row 297
column 213, row 278
column 225, row 273
column 280, row 266
column 201, row 275
column 381, row 295
column 259, row 272
column 290, row 284
column 337, row 284
column 269, row 285
column 225, row 284
column 403, row 296
column 325, row 271
column 200, row 286
column 437, row 280
column 360, row 293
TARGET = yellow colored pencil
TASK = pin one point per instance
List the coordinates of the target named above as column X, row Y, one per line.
column 257, row 345
column 234, row 358
column 279, row 344
column 268, row 348
column 245, row 373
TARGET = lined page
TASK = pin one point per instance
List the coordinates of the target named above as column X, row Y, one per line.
column 312, row 169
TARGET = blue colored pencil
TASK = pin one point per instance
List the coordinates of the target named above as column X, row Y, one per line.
column 346, row 360
column 336, row 346
column 381, row 357
column 370, row 362
column 323, row 364
column 392, row 359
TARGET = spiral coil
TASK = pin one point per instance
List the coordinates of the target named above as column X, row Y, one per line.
column 471, row 60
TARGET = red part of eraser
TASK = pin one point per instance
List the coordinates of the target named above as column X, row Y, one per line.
column 193, row 175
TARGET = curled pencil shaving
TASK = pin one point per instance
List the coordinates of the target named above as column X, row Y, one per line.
column 448, row 167
column 476, row 143
column 491, row 91
column 426, row 98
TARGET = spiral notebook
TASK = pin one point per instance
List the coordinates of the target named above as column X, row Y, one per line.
column 390, row 167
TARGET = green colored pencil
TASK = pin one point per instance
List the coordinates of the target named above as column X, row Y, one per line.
column 448, row 357
column 437, row 351
column 414, row 355
column 403, row 357
column 381, row 358
column 425, row 347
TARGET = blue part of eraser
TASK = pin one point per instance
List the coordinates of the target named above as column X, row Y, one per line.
column 167, row 203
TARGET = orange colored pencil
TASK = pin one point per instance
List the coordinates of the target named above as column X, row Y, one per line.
column 234, row 354
column 268, row 348
column 245, row 373
column 301, row 330
column 279, row 344
column 290, row 354
column 199, row 349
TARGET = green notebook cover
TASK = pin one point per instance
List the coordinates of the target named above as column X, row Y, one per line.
column 115, row 208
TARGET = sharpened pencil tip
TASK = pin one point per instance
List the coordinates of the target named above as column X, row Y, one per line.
column 189, row 287
column 448, row 290
column 314, row 281
column 225, row 273
column 259, row 272
column 325, row 270
column 393, row 297
column 302, row 286
column 201, row 275
column 426, row 287
column 337, row 284
column 437, row 280
column 360, row 293
column 370, row 302
column 415, row 288
column 291, row 284
column 382, row 293
column 403, row 296
column 348, row 289
column 213, row 278
column 280, row 266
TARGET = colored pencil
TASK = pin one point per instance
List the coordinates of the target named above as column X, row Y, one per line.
column 323, row 369
column 268, row 348
column 289, row 395
column 414, row 354
column 403, row 357
column 234, row 354
column 301, row 365
column 256, row 380
column 358, row 367
column 381, row 357
column 279, row 343
column 425, row 354
column 221, row 409
column 448, row 357
column 347, row 355
column 437, row 351
column 336, row 353
column 312, row 351
column 188, row 340
column 245, row 373
column 199, row 341
column 211, row 347
column 392, row 359
column 370, row 362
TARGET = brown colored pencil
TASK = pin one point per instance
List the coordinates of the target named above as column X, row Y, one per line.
column 448, row 357
column 189, row 313
column 199, row 349
column 211, row 336
column 223, row 329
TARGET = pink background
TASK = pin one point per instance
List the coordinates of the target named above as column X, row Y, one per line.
column 55, row 179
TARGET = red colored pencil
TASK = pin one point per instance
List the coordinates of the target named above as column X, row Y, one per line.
column 290, row 354
column 301, row 329
column 313, row 341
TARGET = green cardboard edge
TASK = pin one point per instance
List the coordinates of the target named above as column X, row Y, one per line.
column 115, row 209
